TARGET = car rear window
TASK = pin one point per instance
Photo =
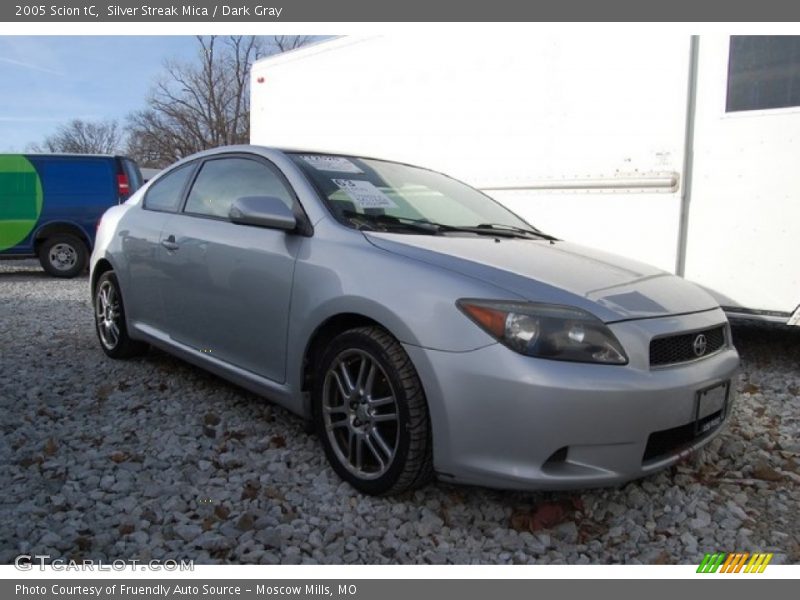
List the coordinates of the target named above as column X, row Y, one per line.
column 166, row 193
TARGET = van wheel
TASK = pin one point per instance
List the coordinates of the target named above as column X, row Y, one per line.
column 371, row 414
column 63, row 255
column 109, row 320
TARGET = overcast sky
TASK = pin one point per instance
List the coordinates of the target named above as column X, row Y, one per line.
column 48, row 80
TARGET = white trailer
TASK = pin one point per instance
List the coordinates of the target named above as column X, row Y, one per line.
column 680, row 151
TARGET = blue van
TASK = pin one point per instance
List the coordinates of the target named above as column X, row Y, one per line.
column 50, row 205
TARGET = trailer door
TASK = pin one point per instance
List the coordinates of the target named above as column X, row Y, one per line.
column 743, row 238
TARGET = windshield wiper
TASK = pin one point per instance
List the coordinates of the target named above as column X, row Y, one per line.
column 387, row 221
column 522, row 230
column 433, row 228
column 508, row 231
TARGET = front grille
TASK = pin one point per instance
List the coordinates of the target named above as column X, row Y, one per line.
column 684, row 347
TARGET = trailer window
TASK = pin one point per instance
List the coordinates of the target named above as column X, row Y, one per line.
column 763, row 72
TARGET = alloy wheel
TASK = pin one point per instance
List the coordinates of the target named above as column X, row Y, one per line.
column 107, row 310
column 360, row 414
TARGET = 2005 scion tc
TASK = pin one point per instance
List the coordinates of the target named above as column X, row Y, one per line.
column 421, row 326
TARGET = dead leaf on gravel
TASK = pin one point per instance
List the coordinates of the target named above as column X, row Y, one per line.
column 250, row 490
column 455, row 497
column 277, row 441
column 126, row 528
column 221, row 512
column 793, row 553
column 520, row 521
column 148, row 514
column 119, row 457
column 245, row 522
column 208, row 523
column 51, row 447
column 663, row 559
column 750, row 388
column 548, row 515
column 211, row 419
column 45, row 412
column 590, row 530
column 274, row 493
column 545, row 515
column 83, row 543
column 102, row 392
column 767, row 473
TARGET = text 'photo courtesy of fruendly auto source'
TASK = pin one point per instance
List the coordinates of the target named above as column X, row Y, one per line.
column 401, row 299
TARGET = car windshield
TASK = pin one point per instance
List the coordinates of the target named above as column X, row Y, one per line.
column 380, row 195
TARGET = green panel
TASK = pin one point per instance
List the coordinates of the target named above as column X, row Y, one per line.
column 20, row 199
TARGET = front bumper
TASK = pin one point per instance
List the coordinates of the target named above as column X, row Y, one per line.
column 509, row 421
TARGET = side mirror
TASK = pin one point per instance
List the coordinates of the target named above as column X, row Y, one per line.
column 262, row 211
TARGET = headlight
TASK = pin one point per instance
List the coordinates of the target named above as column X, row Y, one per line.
column 546, row 330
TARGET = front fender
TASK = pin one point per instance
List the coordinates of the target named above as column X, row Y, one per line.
column 414, row 301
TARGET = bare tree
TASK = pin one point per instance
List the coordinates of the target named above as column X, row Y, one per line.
column 83, row 137
column 195, row 106
column 284, row 43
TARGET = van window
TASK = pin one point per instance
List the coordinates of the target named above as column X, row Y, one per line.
column 223, row 180
column 166, row 193
column 763, row 72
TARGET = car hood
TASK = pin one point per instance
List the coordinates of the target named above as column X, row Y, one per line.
column 611, row 287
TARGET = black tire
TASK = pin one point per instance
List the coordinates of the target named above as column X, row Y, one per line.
column 63, row 255
column 119, row 345
column 411, row 464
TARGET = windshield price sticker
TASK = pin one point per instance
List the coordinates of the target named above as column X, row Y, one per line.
column 364, row 194
column 335, row 164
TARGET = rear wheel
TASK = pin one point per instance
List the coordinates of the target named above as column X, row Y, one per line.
column 371, row 414
column 63, row 255
column 109, row 319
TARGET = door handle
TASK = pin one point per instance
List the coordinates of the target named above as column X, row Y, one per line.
column 170, row 243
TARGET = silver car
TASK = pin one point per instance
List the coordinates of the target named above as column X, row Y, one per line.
column 423, row 328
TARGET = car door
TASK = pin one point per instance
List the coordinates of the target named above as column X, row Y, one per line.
column 143, row 281
column 229, row 285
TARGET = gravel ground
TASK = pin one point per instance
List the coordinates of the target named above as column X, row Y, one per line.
column 154, row 458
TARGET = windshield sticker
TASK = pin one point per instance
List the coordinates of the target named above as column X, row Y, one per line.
column 335, row 164
column 364, row 194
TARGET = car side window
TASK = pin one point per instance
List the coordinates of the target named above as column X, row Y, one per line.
column 223, row 180
column 166, row 193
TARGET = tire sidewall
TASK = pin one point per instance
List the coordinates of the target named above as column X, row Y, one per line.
column 75, row 243
column 358, row 340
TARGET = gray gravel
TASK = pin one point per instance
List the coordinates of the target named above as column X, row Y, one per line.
column 154, row 458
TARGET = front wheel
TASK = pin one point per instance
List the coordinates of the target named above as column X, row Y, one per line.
column 109, row 320
column 371, row 414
